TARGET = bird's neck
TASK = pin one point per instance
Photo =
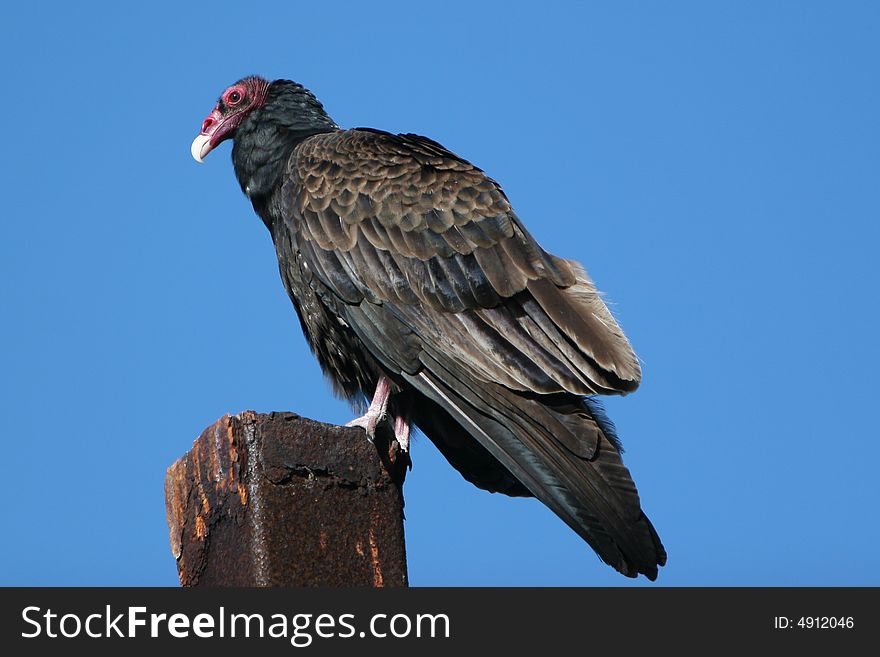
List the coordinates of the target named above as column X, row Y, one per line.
column 266, row 139
column 260, row 155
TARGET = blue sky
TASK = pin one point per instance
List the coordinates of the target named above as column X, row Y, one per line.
column 714, row 165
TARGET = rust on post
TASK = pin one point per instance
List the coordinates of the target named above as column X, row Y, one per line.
column 280, row 500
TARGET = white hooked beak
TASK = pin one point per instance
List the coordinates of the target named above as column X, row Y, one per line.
column 201, row 146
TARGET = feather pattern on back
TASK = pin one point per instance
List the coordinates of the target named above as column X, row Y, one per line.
column 497, row 342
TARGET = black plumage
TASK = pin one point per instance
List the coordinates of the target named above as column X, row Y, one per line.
column 405, row 261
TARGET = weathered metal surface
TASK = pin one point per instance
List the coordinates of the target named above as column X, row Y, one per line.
column 280, row 500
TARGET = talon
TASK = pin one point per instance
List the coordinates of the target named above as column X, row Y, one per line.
column 376, row 412
column 366, row 423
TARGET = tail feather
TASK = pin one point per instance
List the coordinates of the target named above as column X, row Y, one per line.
column 465, row 454
column 559, row 451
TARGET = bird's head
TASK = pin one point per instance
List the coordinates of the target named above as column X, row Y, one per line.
column 236, row 103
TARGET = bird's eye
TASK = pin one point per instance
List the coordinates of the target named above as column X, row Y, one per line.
column 233, row 98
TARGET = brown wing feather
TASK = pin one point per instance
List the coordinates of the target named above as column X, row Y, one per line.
column 437, row 237
column 422, row 257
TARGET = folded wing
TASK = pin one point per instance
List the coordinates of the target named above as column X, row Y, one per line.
column 422, row 255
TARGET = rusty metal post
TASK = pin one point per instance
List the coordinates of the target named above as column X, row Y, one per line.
column 280, row 500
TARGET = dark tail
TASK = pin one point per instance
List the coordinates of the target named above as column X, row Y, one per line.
column 562, row 450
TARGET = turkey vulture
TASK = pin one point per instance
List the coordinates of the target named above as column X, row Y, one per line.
column 418, row 286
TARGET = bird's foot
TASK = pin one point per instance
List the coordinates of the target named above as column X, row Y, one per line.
column 401, row 432
column 368, row 422
column 376, row 412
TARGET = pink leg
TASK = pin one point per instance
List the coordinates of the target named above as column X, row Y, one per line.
column 370, row 420
column 401, row 432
